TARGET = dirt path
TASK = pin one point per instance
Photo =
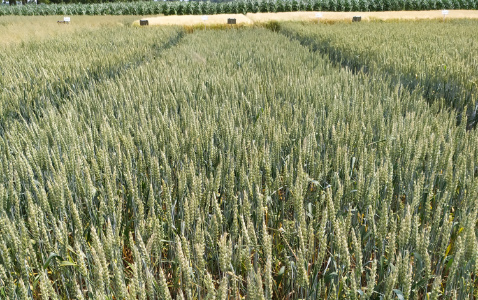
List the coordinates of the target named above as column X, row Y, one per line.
column 251, row 18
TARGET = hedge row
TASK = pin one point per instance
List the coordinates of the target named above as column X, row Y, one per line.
column 242, row 7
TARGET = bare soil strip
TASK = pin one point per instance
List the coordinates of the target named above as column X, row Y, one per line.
column 252, row 18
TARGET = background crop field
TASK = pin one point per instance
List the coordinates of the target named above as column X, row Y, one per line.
column 290, row 161
column 229, row 7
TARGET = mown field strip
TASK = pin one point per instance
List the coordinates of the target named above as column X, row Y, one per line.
column 325, row 16
column 17, row 29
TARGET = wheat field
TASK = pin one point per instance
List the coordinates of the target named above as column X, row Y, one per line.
column 283, row 161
